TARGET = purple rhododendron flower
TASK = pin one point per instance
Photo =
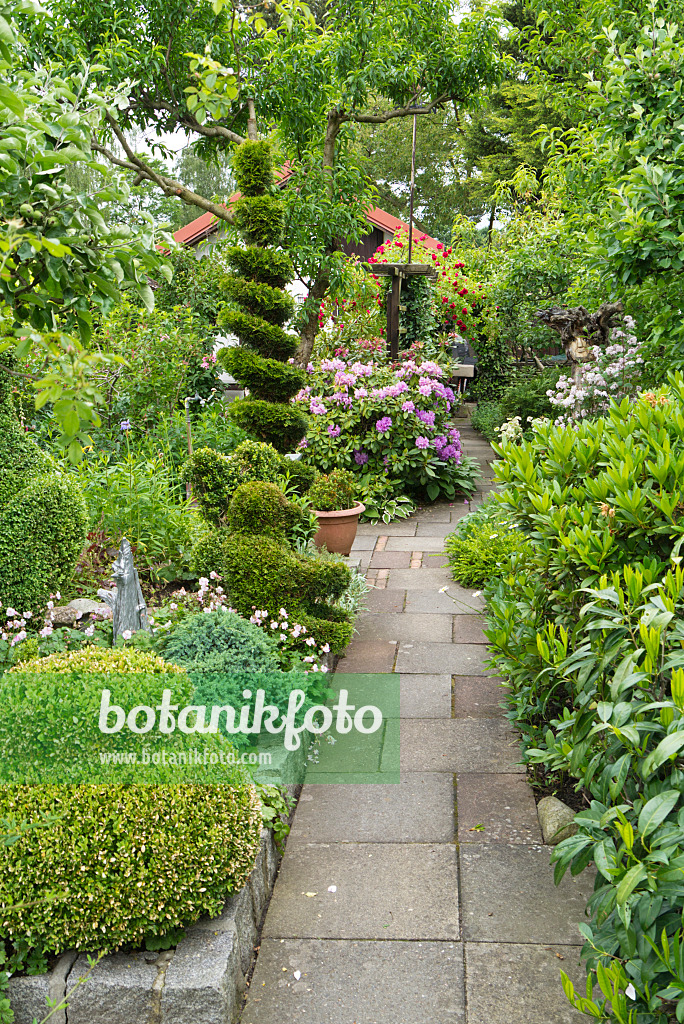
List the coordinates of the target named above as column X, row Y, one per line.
column 310, row 367
column 440, row 442
column 422, row 442
column 408, row 407
column 334, row 430
column 427, row 417
column 450, row 453
column 360, row 393
column 316, row 407
column 303, row 443
column 360, row 457
column 383, row 424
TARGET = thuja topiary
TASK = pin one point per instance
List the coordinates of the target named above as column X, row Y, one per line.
column 43, row 516
column 259, row 307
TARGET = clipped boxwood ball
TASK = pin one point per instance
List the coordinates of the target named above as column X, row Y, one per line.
column 260, row 219
column 259, row 508
column 260, row 299
column 122, row 862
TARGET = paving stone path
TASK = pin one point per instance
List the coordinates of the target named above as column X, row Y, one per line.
column 445, row 911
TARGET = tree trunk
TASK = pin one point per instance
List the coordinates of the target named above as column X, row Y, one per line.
column 310, row 328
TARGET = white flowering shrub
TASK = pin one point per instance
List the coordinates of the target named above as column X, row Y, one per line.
column 615, row 373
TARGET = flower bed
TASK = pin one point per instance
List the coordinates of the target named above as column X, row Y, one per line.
column 390, row 426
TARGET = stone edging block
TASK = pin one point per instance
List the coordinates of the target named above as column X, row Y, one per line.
column 200, row 982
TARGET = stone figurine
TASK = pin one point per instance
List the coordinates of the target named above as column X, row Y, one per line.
column 126, row 600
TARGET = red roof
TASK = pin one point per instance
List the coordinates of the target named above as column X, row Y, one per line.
column 200, row 228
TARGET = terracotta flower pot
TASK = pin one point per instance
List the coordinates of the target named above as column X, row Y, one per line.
column 336, row 530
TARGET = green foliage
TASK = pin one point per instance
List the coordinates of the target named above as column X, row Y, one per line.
column 196, row 283
column 267, row 379
column 220, row 642
column 260, row 219
column 269, row 340
column 148, row 858
column 276, row 423
column 43, row 521
column 215, row 477
column 163, row 352
column 487, row 417
column 258, row 298
column 253, row 168
column 480, row 546
column 219, row 688
column 333, row 491
column 266, row 266
column 586, row 630
column 259, row 572
column 525, row 396
column 418, row 317
column 138, row 498
column 260, row 508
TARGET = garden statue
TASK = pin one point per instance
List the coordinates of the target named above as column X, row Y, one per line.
column 126, row 600
column 579, row 330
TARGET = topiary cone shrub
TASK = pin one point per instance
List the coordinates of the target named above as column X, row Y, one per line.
column 259, row 307
column 43, row 515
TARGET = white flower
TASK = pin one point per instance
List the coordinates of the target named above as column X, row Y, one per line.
column 204, row 582
column 27, row 615
column 283, row 613
column 324, row 668
column 173, row 607
column 630, row 991
column 11, row 614
column 326, row 648
column 310, row 642
column 91, row 629
column 127, row 634
column 45, row 632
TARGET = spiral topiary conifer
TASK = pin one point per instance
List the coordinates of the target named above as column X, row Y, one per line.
column 259, row 306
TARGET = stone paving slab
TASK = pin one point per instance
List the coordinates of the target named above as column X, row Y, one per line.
column 385, row 602
column 468, row 629
column 453, row 745
column 420, row 809
column 425, row 696
column 464, row 659
column 396, row 627
column 418, row 579
column 520, row 984
column 411, row 544
column 434, row 529
column 402, row 528
column 390, row 560
column 384, row 891
column 504, row 805
column 478, row 697
column 368, row 656
column 509, row 896
column 435, row 514
column 346, row 982
column 456, row 600
column 365, row 542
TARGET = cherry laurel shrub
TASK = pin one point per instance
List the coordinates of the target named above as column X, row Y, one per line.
column 390, row 427
column 587, row 632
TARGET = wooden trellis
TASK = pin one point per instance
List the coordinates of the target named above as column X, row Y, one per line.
column 398, row 272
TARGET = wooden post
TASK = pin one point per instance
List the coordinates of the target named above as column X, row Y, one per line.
column 393, row 298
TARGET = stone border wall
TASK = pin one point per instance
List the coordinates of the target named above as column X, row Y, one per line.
column 200, row 982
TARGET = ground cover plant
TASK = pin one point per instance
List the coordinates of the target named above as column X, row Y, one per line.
column 586, row 630
column 480, row 546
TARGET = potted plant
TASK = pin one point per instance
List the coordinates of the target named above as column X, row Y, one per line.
column 337, row 510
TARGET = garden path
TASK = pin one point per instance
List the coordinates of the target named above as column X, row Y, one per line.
column 444, row 910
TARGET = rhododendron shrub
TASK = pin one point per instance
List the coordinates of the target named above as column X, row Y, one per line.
column 393, row 428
